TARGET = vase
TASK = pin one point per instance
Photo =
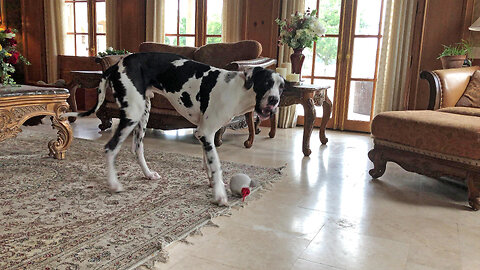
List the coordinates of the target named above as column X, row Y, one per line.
column 297, row 59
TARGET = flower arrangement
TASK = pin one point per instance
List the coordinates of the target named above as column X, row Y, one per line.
column 301, row 31
column 9, row 56
column 112, row 51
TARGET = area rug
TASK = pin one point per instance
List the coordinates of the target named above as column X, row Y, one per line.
column 60, row 214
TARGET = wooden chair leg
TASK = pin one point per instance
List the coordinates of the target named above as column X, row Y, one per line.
column 104, row 117
column 251, row 130
column 379, row 164
column 473, row 184
column 218, row 136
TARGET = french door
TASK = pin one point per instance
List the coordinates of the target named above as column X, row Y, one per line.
column 346, row 59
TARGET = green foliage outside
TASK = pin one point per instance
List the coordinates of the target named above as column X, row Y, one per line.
column 329, row 16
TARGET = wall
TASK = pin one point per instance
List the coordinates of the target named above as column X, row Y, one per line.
column 437, row 22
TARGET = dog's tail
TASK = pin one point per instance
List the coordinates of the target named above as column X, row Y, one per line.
column 101, row 91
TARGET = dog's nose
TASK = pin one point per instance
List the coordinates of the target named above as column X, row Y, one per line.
column 272, row 100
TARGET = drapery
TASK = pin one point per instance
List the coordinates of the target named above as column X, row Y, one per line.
column 155, row 28
column 112, row 25
column 394, row 55
column 232, row 20
column 54, row 36
column 287, row 116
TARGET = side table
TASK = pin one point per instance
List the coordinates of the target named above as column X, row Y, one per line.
column 308, row 95
column 19, row 103
column 82, row 79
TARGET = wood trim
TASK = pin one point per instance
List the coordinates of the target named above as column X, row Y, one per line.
column 429, row 166
column 33, row 35
column 415, row 52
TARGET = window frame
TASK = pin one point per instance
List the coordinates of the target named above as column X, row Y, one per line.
column 200, row 33
column 92, row 25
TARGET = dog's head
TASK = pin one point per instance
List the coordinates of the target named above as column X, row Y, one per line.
column 268, row 86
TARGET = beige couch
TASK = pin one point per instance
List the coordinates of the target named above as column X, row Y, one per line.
column 230, row 56
column 443, row 141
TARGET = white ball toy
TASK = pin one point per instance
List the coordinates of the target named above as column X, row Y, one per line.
column 240, row 185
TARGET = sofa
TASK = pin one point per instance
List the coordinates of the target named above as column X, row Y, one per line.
column 231, row 56
column 443, row 141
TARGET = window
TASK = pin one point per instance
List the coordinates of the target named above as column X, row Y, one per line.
column 193, row 23
column 86, row 27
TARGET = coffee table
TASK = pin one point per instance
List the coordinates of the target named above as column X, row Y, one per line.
column 19, row 103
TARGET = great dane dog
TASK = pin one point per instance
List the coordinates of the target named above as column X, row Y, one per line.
column 208, row 97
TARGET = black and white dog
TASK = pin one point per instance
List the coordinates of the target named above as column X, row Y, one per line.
column 208, row 97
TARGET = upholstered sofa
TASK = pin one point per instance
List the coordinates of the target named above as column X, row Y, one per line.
column 231, row 56
column 443, row 141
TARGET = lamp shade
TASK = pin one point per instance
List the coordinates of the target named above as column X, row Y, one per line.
column 475, row 26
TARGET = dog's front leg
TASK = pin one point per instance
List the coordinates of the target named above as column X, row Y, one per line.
column 213, row 163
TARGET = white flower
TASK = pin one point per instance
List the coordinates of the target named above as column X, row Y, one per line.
column 109, row 49
column 318, row 28
column 9, row 35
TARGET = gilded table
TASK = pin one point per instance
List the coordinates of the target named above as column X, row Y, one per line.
column 19, row 103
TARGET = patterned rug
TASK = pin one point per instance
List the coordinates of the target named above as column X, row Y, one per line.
column 60, row 214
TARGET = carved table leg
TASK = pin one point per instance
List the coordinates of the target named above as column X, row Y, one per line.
column 309, row 108
column 379, row 164
column 72, row 100
column 273, row 125
column 327, row 112
column 218, row 136
column 59, row 146
column 251, row 130
column 473, row 183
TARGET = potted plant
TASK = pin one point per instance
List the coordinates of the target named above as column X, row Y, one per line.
column 454, row 56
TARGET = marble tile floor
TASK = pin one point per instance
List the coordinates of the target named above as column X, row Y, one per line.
column 326, row 213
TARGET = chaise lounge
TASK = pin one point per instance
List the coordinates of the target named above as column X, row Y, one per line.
column 443, row 141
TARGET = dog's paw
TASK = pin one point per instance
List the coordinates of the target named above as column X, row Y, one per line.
column 153, row 176
column 220, row 195
column 116, row 187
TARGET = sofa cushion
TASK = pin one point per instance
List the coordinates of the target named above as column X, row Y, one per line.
column 471, row 96
column 443, row 132
column 462, row 110
column 221, row 54
column 184, row 51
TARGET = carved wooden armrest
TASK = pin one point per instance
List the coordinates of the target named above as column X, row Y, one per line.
column 435, row 89
column 245, row 64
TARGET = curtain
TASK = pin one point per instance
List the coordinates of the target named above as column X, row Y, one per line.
column 155, row 28
column 287, row 116
column 394, row 55
column 289, row 7
column 112, row 24
column 54, row 36
column 232, row 20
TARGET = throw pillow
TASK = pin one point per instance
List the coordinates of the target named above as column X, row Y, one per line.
column 471, row 96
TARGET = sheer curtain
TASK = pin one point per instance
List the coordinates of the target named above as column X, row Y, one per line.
column 232, row 20
column 287, row 116
column 390, row 92
column 54, row 36
column 155, row 28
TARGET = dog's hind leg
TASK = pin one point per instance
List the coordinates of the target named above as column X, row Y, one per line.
column 207, row 168
column 212, row 161
column 129, row 118
column 137, row 142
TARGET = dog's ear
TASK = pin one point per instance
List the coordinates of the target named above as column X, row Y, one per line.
column 249, row 73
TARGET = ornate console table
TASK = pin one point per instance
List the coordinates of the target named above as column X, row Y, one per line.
column 19, row 103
